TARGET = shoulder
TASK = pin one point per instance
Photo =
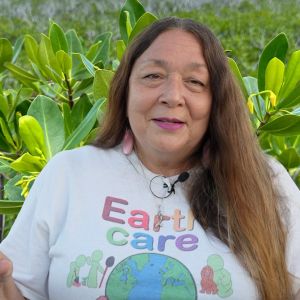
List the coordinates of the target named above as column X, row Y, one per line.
column 288, row 191
column 84, row 162
column 86, row 155
column 290, row 196
column 283, row 181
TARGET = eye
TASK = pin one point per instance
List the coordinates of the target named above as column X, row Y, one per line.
column 195, row 85
column 153, row 76
column 196, row 82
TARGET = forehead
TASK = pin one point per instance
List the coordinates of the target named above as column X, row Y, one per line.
column 174, row 45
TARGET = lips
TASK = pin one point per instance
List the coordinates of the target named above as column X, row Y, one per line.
column 168, row 120
column 171, row 124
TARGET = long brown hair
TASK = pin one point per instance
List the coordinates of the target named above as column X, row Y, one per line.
column 233, row 196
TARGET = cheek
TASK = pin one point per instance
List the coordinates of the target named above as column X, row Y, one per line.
column 135, row 106
column 140, row 103
column 200, row 111
column 136, row 112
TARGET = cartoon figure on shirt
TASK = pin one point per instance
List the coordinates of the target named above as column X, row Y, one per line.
column 75, row 266
column 91, row 280
column 216, row 279
column 94, row 262
column 208, row 285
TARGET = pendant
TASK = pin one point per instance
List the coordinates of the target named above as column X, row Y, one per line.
column 158, row 219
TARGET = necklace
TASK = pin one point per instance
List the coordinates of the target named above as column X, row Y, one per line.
column 161, row 194
column 160, row 186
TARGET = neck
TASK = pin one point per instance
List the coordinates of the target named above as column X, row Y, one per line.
column 164, row 165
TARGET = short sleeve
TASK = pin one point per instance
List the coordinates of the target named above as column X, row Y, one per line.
column 29, row 240
column 291, row 195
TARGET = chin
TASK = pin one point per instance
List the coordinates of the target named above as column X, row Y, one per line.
column 169, row 149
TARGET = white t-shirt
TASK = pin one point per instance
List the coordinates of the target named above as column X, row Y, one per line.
column 88, row 230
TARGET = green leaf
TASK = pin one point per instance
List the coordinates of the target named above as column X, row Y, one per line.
column 115, row 65
column 10, row 207
column 22, row 75
column 296, row 111
column 6, row 53
column 277, row 143
column 104, row 50
column 258, row 101
column 128, row 24
column 80, row 110
column 88, row 65
column 101, row 83
column 74, row 43
column 277, row 47
column 290, row 158
column 24, row 94
column 274, row 75
column 131, row 11
column 3, row 105
column 293, row 142
column 32, row 134
column 144, row 21
column 78, row 69
column 121, row 47
column 21, row 94
column 65, row 62
column 48, row 61
column 11, row 191
column 3, row 144
column 85, row 85
column 28, row 163
column 31, row 48
column 22, row 99
column 67, row 119
column 17, row 48
column 6, row 132
column 49, row 117
column 284, row 125
column 292, row 75
column 91, row 136
column 235, row 70
column 9, row 203
column 85, row 127
column 4, row 166
column 11, row 100
column 291, row 100
column 58, row 38
column 92, row 52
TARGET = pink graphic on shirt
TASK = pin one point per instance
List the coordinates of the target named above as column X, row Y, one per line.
column 208, row 285
column 215, row 279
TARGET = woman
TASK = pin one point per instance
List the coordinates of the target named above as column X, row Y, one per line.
column 174, row 201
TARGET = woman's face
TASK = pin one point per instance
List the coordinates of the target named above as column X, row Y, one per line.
column 169, row 99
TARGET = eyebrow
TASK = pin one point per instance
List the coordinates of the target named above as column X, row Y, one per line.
column 163, row 63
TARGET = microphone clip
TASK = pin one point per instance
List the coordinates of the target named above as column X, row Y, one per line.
column 167, row 185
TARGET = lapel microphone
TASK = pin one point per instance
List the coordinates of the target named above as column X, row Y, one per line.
column 181, row 178
column 166, row 184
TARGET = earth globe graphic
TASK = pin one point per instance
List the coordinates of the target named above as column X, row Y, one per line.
column 150, row 276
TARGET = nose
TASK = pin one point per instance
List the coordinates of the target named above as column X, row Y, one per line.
column 172, row 93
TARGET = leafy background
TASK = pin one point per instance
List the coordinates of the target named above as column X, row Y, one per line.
column 58, row 57
column 244, row 27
